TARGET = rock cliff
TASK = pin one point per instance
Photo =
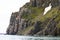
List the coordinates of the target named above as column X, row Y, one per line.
column 29, row 20
column 44, row 3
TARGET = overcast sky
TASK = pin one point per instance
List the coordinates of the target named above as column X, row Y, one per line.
column 6, row 8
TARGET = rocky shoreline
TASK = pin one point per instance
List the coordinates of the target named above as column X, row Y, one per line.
column 30, row 21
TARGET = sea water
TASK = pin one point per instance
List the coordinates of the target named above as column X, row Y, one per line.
column 17, row 37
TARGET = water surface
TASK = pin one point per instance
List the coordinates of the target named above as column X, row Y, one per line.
column 16, row 37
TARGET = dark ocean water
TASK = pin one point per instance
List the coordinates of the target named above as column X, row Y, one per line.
column 16, row 37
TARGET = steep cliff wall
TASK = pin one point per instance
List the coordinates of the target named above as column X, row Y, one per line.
column 44, row 3
column 30, row 20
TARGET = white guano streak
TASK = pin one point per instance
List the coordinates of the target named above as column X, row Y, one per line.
column 47, row 9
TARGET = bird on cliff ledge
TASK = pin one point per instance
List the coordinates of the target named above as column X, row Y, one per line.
column 47, row 9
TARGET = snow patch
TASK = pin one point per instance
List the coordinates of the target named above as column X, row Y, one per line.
column 47, row 9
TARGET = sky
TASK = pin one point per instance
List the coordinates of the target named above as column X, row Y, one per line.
column 6, row 9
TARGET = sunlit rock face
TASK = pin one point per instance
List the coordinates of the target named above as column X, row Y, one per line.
column 31, row 19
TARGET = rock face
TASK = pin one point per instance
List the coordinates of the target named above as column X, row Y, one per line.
column 44, row 3
column 17, row 23
column 30, row 21
column 14, row 23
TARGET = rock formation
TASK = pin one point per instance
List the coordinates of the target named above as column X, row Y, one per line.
column 29, row 20
column 44, row 3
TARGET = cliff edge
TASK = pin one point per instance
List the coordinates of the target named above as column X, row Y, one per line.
column 31, row 21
